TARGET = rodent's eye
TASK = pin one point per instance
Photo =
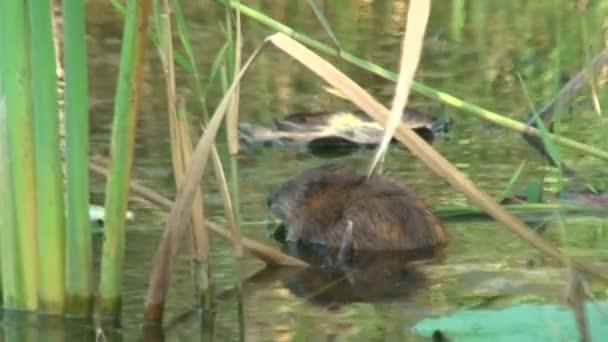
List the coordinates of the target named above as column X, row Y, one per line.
column 289, row 186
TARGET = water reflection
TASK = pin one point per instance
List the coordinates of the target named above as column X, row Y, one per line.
column 368, row 277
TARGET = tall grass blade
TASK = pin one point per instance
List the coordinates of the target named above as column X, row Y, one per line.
column 79, row 256
column 123, row 135
column 549, row 146
column 227, row 200
column 459, row 12
column 232, row 117
column 215, row 65
column 16, row 85
column 583, row 9
column 50, row 205
column 8, row 257
column 321, row 17
column 411, row 49
column 514, row 178
column 418, row 146
column 214, row 71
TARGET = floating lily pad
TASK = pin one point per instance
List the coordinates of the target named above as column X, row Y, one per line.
column 523, row 322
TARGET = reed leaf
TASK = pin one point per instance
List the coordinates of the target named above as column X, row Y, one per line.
column 181, row 148
column 214, row 71
column 181, row 154
column 185, row 41
column 16, row 85
column 227, row 200
column 418, row 146
column 319, row 14
column 50, row 205
column 514, row 178
column 232, row 117
column 550, row 147
column 200, row 236
column 8, row 257
column 411, row 49
column 123, row 135
column 79, row 255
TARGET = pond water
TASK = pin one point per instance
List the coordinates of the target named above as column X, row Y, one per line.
column 474, row 54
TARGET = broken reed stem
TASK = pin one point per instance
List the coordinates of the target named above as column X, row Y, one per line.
column 227, row 201
column 178, row 216
column 198, row 230
column 411, row 49
column 180, row 141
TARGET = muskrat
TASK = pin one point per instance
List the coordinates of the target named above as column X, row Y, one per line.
column 335, row 206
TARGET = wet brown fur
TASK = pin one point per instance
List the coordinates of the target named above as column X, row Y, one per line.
column 386, row 213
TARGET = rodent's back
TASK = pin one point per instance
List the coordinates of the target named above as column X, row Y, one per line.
column 386, row 214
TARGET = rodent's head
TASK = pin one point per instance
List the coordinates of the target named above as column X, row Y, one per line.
column 312, row 188
column 282, row 202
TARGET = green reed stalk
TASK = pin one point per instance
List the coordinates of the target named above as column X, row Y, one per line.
column 49, row 180
column 201, row 267
column 184, row 37
column 227, row 195
column 79, row 259
column 7, row 249
column 587, row 45
column 22, row 235
column 121, row 149
column 232, row 116
column 453, row 101
column 458, row 17
column 479, row 16
column 531, row 209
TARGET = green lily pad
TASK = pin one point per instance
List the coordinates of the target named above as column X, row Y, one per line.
column 523, row 322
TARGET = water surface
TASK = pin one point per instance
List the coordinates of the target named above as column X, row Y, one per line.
column 477, row 62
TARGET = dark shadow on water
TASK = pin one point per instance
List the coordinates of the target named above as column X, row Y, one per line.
column 368, row 277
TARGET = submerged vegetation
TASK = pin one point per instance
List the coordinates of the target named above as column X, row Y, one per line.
column 256, row 69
